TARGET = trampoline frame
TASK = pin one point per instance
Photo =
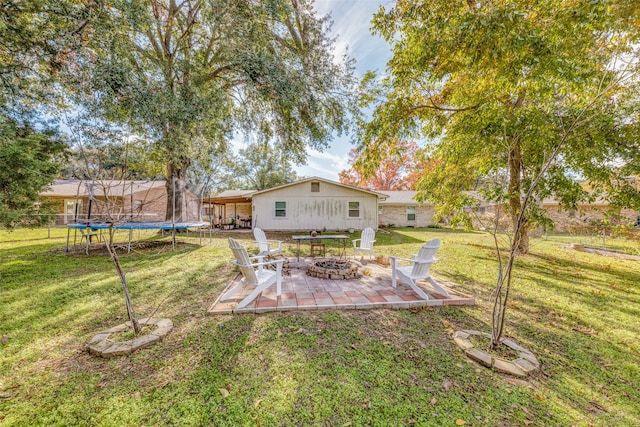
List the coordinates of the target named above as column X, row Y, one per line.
column 163, row 226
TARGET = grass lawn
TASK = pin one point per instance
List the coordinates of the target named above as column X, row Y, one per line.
column 578, row 312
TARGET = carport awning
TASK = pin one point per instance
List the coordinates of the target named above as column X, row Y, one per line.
column 227, row 200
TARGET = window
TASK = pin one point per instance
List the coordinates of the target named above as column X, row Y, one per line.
column 281, row 209
column 411, row 213
column 354, row 209
column 315, row 187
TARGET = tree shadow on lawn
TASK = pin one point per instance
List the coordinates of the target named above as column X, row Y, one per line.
column 280, row 368
column 54, row 291
column 574, row 355
column 581, row 369
column 551, row 265
column 63, row 333
column 363, row 367
column 605, row 293
column 590, row 372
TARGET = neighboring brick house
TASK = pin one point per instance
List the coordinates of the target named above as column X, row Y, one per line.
column 400, row 209
column 586, row 214
column 142, row 201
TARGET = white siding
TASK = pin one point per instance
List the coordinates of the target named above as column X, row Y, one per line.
column 327, row 209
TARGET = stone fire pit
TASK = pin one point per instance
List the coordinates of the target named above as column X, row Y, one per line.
column 335, row 269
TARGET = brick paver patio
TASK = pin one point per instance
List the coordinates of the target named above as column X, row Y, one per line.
column 373, row 290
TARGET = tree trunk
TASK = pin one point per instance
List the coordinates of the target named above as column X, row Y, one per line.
column 521, row 236
column 177, row 178
column 130, row 311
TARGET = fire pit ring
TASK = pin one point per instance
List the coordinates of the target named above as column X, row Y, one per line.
column 335, row 269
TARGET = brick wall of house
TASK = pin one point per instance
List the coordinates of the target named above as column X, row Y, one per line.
column 567, row 220
column 397, row 216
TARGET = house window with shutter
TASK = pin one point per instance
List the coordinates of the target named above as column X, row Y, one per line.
column 281, row 209
column 354, row 209
column 411, row 213
column 315, row 187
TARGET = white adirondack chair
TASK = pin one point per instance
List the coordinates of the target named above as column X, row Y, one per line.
column 253, row 274
column 418, row 270
column 367, row 239
column 266, row 247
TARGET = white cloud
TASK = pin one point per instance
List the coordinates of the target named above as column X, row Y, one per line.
column 336, row 161
column 352, row 23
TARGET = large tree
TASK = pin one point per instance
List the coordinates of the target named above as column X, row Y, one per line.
column 259, row 166
column 189, row 73
column 501, row 87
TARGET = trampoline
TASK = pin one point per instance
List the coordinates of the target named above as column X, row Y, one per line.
column 130, row 226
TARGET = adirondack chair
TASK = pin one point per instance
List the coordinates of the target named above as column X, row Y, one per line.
column 253, row 274
column 266, row 247
column 418, row 270
column 367, row 238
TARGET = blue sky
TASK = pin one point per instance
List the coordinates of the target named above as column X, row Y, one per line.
column 351, row 23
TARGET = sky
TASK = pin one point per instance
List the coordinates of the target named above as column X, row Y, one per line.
column 351, row 23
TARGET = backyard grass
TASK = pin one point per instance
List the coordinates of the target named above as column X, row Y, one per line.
column 578, row 312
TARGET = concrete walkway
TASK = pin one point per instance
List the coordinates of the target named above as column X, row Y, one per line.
column 373, row 290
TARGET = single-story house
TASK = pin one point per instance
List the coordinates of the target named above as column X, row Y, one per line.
column 115, row 200
column 308, row 204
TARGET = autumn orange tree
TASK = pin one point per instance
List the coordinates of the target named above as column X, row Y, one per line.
column 400, row 168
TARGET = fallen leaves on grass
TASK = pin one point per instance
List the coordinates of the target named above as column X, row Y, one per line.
column 460, row 422
column 585, row 331
column 447, row 324
column 446, row 385
column 598, row 406
column 224, row 392
column 526, row 411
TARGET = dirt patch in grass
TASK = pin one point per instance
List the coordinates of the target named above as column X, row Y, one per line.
column 484, row 343
column 129, row 334
column 99, row 248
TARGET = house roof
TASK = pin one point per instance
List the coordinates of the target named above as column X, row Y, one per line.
column 328, row 181
column 599, row 201
column 232, row 196
column 403, row 198
column 98, row 188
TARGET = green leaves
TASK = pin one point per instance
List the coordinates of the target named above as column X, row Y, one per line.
column 190, row 74
column 29, row 162
column 484, row 80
